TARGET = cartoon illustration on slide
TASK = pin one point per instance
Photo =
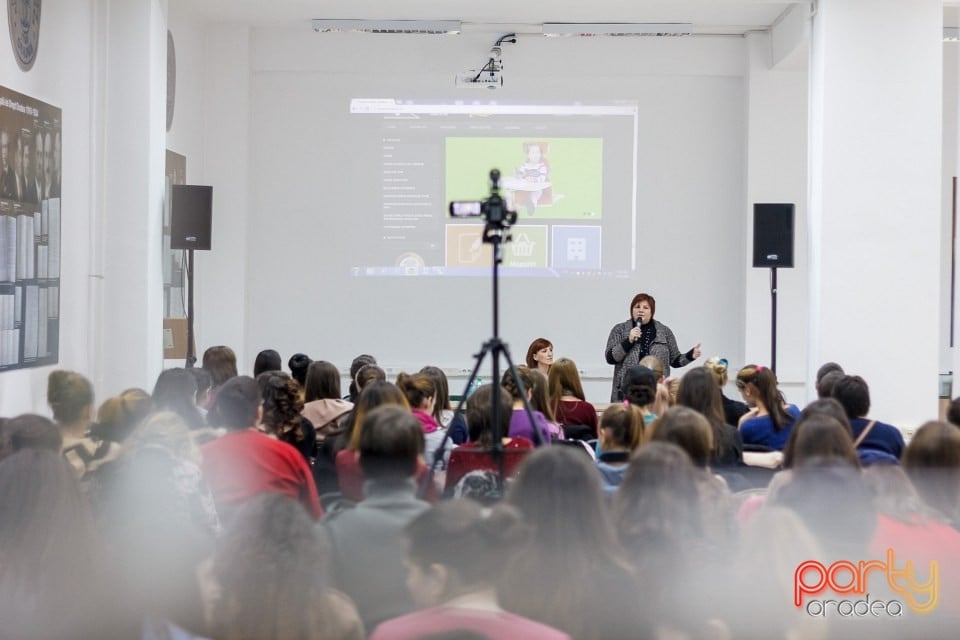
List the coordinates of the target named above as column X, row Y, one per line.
column 530, row 185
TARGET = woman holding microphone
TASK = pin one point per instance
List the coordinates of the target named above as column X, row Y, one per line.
column 642, row 336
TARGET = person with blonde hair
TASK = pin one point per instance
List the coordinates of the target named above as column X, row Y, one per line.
column 118, row 416
column 70, row 396
column 733, row 410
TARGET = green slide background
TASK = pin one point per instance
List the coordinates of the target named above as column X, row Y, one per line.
column 576, row 172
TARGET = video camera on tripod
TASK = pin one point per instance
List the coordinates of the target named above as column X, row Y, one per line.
column 493, row 209
column 498, row 218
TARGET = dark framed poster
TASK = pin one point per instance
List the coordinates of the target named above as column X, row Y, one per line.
column 30, row 181
column 174, row 268
column 174, row 305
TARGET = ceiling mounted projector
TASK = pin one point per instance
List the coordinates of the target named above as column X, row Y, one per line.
column 490, row 75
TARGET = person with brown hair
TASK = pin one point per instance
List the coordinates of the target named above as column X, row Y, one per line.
column 282, row 404
column 569, row 402
column 176, row 391
column 687, row 429
column 268, row 579
column 350, row 474
column 29, row 431
column 876, row 442
column 477, row 453
column 323, row 405
column 661, row 517
column 366, row 541
column 267, row 360
column 455, row 554
column 221, row 363
column 442, row 411
column 421, row 394
column 818, row 435
column 641, row 336
column 640, row 390
column 520, row 424
column 53, row 571
column 932, row 460
column 621, row 433
column 299, row 363
column 815, row 436
column 770, row 419
column 540, row 355
column 571, row 573
column 698, row 391
column 245, row 462
column 358, row 363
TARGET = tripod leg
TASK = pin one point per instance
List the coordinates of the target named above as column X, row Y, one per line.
column 438, row 454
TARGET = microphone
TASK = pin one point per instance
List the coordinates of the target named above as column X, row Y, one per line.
column 638, row 323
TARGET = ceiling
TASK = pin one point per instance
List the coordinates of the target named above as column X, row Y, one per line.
column 707, row 16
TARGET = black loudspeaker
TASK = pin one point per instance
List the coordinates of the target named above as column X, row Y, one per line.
column 191, row 207
column 772, row 235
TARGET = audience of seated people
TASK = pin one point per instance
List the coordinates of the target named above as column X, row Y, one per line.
column 153, row 518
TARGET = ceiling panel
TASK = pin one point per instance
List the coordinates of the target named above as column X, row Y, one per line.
column 706, row 15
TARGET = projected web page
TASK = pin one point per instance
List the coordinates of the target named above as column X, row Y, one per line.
column 569, row 171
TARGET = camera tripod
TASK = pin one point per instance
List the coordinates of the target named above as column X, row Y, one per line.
column 495, row 233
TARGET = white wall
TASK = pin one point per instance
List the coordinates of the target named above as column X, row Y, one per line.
column 133, row 154
column 951, row 144
column 776, row 172
column 186, row 136
column 875, row 205
column 61, row 76
column 104, row 65
column 221, row 287
column 252, row 105
column 296, row 295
